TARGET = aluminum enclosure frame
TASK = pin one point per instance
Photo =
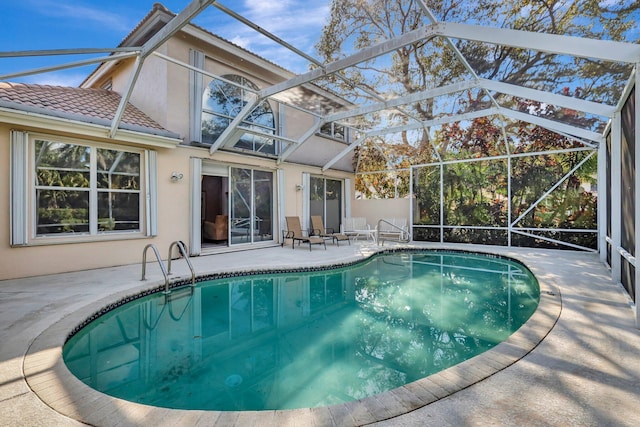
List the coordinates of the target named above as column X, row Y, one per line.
column 603, row 50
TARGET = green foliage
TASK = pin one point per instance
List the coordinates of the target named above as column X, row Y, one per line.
column 63, row 220
column 63, row 181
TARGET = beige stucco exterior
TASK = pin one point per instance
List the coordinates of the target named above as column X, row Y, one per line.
column 161, row 92
column 376, row 209
column 173, row 215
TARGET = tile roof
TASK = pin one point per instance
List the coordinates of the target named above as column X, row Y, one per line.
column 88, row 105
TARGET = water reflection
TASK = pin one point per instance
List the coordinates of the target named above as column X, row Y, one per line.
column 303, row 340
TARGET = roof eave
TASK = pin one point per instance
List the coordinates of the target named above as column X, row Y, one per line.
column 32, row 119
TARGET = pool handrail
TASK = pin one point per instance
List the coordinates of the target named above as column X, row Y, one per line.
column 162, row 267
column 182, row 250
column 402, row 232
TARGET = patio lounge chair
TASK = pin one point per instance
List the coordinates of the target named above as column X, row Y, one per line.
column 294, row 232
column 318, row 229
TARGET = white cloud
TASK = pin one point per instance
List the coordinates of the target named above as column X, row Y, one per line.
column 58, row 78
column 267, row 7
column 297, row 22
column 288, row 17
column 241, row 41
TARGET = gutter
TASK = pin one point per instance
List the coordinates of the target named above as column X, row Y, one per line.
column 94, row 127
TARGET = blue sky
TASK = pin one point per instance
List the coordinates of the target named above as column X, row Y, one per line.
column 62, row 24
column 57, row 24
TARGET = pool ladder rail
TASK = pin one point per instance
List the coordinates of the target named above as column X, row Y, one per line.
column 403, row 234
column 166, row 271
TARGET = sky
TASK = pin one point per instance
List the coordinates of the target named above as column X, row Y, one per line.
column 28, row 25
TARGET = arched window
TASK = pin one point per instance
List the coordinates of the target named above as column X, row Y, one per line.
column 221, row 103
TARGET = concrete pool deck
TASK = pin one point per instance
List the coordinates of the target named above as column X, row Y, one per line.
column 577, row 362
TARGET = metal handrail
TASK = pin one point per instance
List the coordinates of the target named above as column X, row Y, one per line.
column 183, row 251
column 403, row 232
column 162, row 267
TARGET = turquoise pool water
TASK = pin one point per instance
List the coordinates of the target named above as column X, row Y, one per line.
column 304, row 339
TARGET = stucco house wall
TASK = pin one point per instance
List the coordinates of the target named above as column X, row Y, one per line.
column 376, row 209
column 36, row 259
column 162, row 93
column 173, row 215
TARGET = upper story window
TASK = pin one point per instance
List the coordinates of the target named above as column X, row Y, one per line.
column 221, row 103
column 335, row 131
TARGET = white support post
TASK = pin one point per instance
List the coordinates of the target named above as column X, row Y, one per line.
column 281, row 191
column 196, row 89
column 441, row 203
column 602, row 202
column 508, row 151
column 509, row 201
column 637, row 193
column 616, row 197
column 348, row 197
column 412, row 204
column 552, row 125
column 67, row 65
column 195, row 243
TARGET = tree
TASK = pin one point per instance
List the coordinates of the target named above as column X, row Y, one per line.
column 476, row 191
column 357, row 24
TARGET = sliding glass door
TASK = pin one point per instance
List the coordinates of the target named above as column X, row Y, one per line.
column 326, row 201
column 251, row 206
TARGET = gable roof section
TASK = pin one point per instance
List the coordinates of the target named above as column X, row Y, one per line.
column 93, row 106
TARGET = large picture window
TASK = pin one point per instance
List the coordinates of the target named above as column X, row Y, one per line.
column 67, row 182
column 75, row 188
column 221, row 103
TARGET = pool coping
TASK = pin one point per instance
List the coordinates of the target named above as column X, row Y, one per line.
column 50, row 379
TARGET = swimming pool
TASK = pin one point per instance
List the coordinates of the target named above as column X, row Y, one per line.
column 238, row 343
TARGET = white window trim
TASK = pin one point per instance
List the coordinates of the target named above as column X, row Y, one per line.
column 22, row 210
column 346, row 192
column 196, row 90
column 19, row 184
column 332, row 135
column 306, row 203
